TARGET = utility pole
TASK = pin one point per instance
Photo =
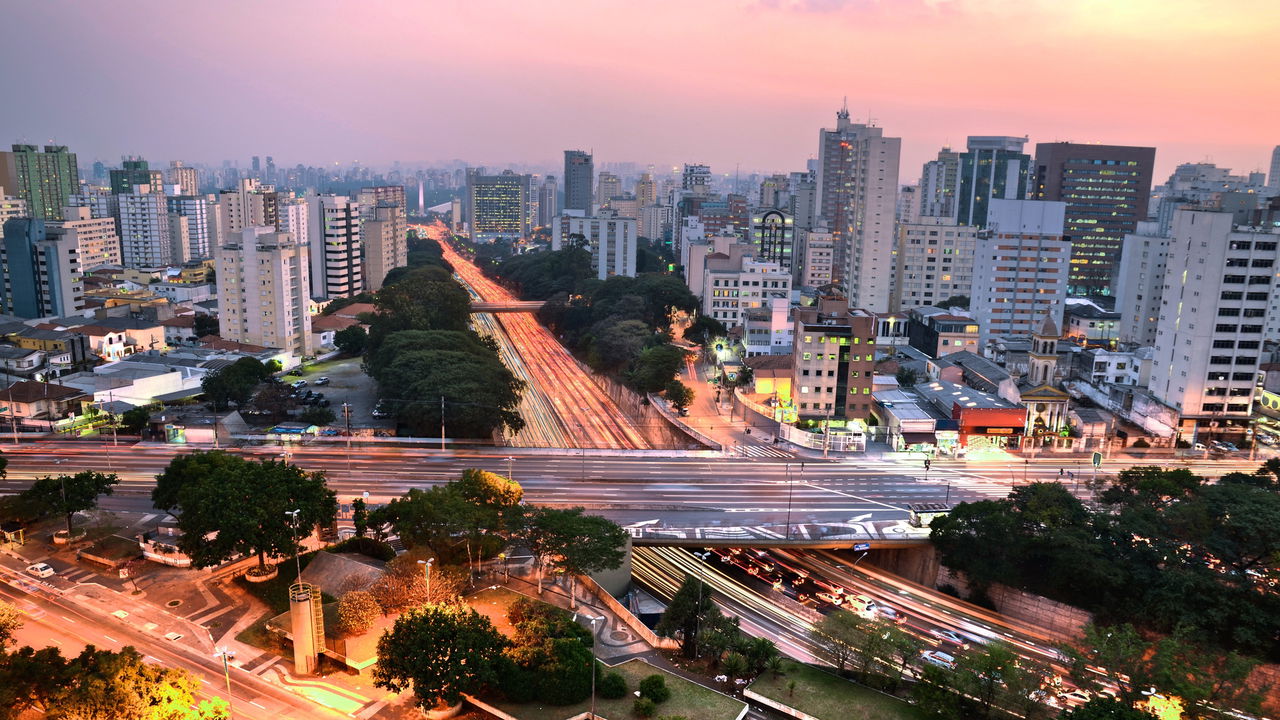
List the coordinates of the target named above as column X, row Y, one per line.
column 441, row 422
column 346, row 414
column 791, row 487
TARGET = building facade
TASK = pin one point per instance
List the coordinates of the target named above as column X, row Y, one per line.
column 337, row 257
column 1140, row 284
column 44, row 180
column 386, row 246
column 135, row 171
column 499, row 206
column 186, row 178
column 96, row 238
column 833, row 361
column 190, row 222
column 611, row 239
column 935, row 262
column 773, row 232
column 1020, row 268
column 146, row 238
column 264, row 288
column 579, row 177
column 992, row 167
column 42, row 271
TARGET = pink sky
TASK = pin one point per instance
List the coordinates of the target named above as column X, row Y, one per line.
column 715, row 81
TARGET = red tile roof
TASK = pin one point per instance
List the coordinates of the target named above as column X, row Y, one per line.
column 29, row 391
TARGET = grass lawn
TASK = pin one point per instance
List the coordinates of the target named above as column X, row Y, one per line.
column 828, row 697
column 688, row 699
column 275, row 592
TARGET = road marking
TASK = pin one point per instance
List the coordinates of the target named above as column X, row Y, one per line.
column 253, row 702
column 109, row 638
column 857, row 497
column 64, row 617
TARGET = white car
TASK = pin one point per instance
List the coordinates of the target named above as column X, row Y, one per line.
column 939, row 658
column 950, row 637
column 1075, row 697
column 41, row 570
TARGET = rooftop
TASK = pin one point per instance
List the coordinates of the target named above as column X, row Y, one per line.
column 29, row 391
column 945, row 395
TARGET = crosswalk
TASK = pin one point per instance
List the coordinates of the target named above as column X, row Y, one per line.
column 762, row 451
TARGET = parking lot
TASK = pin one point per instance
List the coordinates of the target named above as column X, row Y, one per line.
column 347, row 384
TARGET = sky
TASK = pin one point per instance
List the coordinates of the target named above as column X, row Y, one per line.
column 731, row 83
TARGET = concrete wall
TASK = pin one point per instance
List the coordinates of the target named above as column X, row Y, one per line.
column 1055, row 617
column 917, row 564
column 625, row 615
column 647, row 419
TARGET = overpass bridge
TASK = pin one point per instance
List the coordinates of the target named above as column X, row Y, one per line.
column 507, row 306
column 857, row 534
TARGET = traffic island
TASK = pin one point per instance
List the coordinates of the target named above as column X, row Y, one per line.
column 820, row 695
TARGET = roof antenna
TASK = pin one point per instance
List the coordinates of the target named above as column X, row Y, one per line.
column 844, row 109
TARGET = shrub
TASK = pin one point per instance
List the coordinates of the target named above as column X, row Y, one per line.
column 357, row 612
column 612, row 686
column 644, row 707
column 366, row 546
column 655, row 688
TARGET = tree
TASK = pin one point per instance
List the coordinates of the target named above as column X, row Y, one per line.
column 735, row 665
column 840, row 634
column 68, row 494
column 357, row 612
column 352, row 340
column 403, row 583
column 934, row 693
column 439, row 652
column 32, row 679
column 906, row 377
column 120, row 686
column 1105, row 709
column 134, row 420
column 655, row 367
column 360, row 516
column 206, row 325
column 426, row 518
column 690, row 608
column 579, row 544
column 704, row 329
column 316, row 415
column 552, row 652
column 617, row 344
column 955, row 301
column 679, row 394
column 10, row 623
column 228, row 506
column 275, row 400
column 234, row 383
column 494, row 499
column 985, row 671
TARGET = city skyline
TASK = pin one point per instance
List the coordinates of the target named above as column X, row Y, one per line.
column 510, row 100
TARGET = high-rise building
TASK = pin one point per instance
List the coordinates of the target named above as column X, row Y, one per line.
column 655, row 222
column 135, row 172
column 992, row 167
column 1107, row 189
column 833, row 361
column 43, row 275
column 803, row 202
column 610, row 187
column 1140, row 283
column 1273, row 179
column 190, row 225
column 857, row 195
column 939, row 183
column 386, row 245
column 646, row 191
column 1020, row 268
column 737, row 282
column 696, row 180
column 935, row 262
column 186, row 178
column 611, row 239
column 908, row 204
column 774, row 192
column 95, row 237
column 579, row 176
column 293, row 217
column 336, row 259
column 44, row 180
column 773, row 233
column 249, row 204
column 548, row 205
column 499, row 206
column 11, row 207
column 264, row 290
column 146, row 238
column 817, row 248
column 1213, row 316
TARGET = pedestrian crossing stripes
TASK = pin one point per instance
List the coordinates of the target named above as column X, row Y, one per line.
column 762, row 451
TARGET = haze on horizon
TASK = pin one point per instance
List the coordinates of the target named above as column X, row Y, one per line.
column 723, row 82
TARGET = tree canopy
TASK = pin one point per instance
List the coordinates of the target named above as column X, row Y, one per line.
column 235, row 383
column 439, row 652
column 688, row 613
column 67, row 495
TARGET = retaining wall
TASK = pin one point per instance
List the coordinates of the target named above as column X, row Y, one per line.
column 1051, row 615
column 657, row 429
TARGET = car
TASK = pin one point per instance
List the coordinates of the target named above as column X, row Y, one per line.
column 321, row 381
column 950, row 637
column 890, row 614
column 1075, row 697
column 41, row 570
column 939, row 658
column 298, row 384
column 830, row 598
column 381, row 412
column 296, row 371
column 1199, row 446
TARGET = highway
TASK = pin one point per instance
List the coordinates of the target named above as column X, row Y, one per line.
column 586, row 416
column 543, row 427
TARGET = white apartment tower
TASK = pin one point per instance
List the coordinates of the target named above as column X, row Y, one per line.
column 264, row 290
column 1213, row 318
column 96, row 238
column 385, row 244
column 857, row 194
column 935, row 262
column 1140, row 283
column 190, row 226
column 337, row 261
column 186, row 178
column 145, row 233
column 612, row 241
column 1020, row 266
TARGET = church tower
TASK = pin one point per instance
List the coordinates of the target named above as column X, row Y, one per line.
column 1042, row 361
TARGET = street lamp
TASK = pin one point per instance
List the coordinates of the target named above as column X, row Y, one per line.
column 593, row 620
column 697, row 609
column 297, row 551
column 791, row 487
column 426, row 572
column 226, row 656
column 509, row 469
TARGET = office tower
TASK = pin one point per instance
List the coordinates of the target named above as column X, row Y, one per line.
column 773, row 233
column 336, row 259
column 499, row 206
column 145, row 234
column 190, row 225
column 1273, row 179
column 817, row 250
column 11, row 207
column 935, row 262
column 186, row 178
column 371, row 197
column 610, row 187
column 548, row 204
column 386, row 246
column 1213, row 314
column 908, row 204
column 43, row 274
column 610, row 238
column 264, row 290
column 95, row 238
column 803, row 201
column 135, row 172
column 992, row 167
column 1020, row 268
column 249, row 204
column 1140, row 283
column 579, row 175
column 696, row 180
column 256, row 166
column 44, row 180
column 833, row 361
column 1106, row 188
column 939, row 183
column 773, row 192
column 655, row 222
column 857, row 194
column 646, row 191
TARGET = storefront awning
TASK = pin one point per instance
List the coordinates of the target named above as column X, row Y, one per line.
column 919, row 438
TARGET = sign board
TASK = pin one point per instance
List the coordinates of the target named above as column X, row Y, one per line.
column 861, row 547
column 1097, row 459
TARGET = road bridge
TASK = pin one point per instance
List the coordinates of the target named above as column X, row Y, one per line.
column 507, row 306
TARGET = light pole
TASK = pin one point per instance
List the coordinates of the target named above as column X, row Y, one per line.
column 791, row 487
column 509, row 467
column 226, row 656
column 297, row 551
column 593, row 620
column 346, row 414
column 697, row 609
column 426, row 572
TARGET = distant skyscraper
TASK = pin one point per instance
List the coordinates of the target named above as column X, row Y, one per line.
column 646, row 191
column 146, row 238
column 336, row 261
column 610, row 187
column 1106, row 188
column 548, row 207
column 1020, row 268
column 696, row 180
column 186, row 178
column 939, row 183
column 857, row 195
column 1273, row 180
column 579, row 176
column 43, row 275
column 136, row 171
column 264, row 290
column 45, row 180
column 993, row 167
column 499, row 206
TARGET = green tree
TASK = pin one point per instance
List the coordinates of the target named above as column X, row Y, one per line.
column 120, row 686
column 228, row 506
column 357, row 612
column 578, row 544
column 906, row 377
column 316, row 415
column 426, row 518
column 840, row 633
column 985, row 670
column 686, row 615
column 618, row 344
column 10, row 623
column 32, row 679
column 439, row 652
column 552, row 651
column 235, row 383
column 494, row 499
column 704, row 329
column 275, row 400
column 1105, row 709
column 934, row 693
column 360, row 516
column 656, row 366
column 679, row 394
column 955, row 301
column 134, row 420
column 206, row 325
column 352, row 340
column 735, row 665
column 67, row 495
